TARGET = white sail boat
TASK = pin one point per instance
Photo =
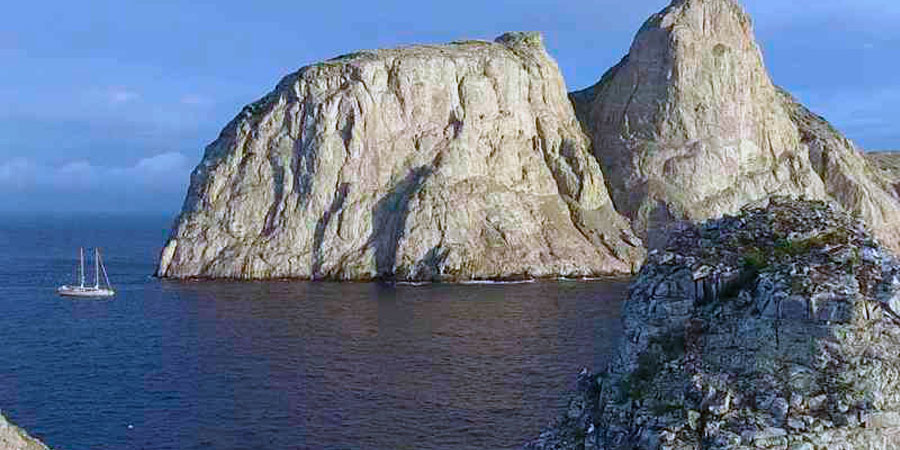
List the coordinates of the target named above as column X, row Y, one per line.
column 89, row 291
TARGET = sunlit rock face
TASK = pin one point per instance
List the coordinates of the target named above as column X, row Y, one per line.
column 444, row 162
column 690, row 126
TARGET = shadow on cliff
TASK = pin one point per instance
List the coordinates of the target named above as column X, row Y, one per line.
column 337, row 203
column 389, row 219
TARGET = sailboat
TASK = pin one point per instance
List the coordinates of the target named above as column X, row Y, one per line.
column 89, row 291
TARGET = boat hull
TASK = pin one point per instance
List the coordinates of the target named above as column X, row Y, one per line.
column 84, row 292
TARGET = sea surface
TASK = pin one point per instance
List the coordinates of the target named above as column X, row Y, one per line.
column 226, row 365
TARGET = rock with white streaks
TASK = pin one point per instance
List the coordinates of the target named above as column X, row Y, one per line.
column 439, row 162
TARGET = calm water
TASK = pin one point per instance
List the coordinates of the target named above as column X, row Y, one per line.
column 170, row 365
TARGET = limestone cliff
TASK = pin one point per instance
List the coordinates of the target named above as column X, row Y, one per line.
column 15, row 438
column 689, row 126
column 443, row 162
column 776, row 328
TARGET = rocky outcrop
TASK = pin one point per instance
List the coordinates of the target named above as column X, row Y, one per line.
column 15, row 438
column 441, row 162
column 776, row 328
column 690, row 126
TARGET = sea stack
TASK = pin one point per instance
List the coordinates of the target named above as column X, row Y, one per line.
column 690, row 126
column 442, row 162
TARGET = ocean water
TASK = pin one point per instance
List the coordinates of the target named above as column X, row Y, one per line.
column 225, row 365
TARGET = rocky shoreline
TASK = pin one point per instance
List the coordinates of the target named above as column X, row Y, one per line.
column 15, row 438
column 774, row 328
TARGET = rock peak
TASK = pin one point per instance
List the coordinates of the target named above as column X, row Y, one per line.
column 520, row 38
column 712, row 10
column 690, row 126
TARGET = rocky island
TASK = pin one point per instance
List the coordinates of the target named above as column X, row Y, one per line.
column 774, row 328
column 426, row 162
column 470, row 160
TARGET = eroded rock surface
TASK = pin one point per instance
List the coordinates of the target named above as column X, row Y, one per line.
column 690, row 126
column 15, row 438
column 441, row 162
column 776, row 328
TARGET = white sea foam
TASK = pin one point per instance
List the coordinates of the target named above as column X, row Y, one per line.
column 497, row 281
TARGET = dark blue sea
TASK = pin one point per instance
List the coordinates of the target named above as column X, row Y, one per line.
column 280, row 365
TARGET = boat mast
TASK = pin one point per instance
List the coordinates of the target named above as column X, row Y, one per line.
column 81, row 258
column 103, row 268
column 96, row 268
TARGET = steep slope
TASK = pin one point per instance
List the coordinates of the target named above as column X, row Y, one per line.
column 689, row 126
column 889, row 165
column 427, row 162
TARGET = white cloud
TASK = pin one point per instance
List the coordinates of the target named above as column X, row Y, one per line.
column 165, row 172
column 119, row 95
column 161, row 171
column 16, row 173
column 195, row 100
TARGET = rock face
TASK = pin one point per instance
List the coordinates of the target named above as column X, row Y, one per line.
column 428, row 162
column 15, row 438
column 889, row 165
column 689, row 126
column 777, row 328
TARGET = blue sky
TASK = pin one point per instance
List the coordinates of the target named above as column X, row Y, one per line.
column 109, row 104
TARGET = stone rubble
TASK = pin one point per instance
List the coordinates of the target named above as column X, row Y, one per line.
column 774, row 328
